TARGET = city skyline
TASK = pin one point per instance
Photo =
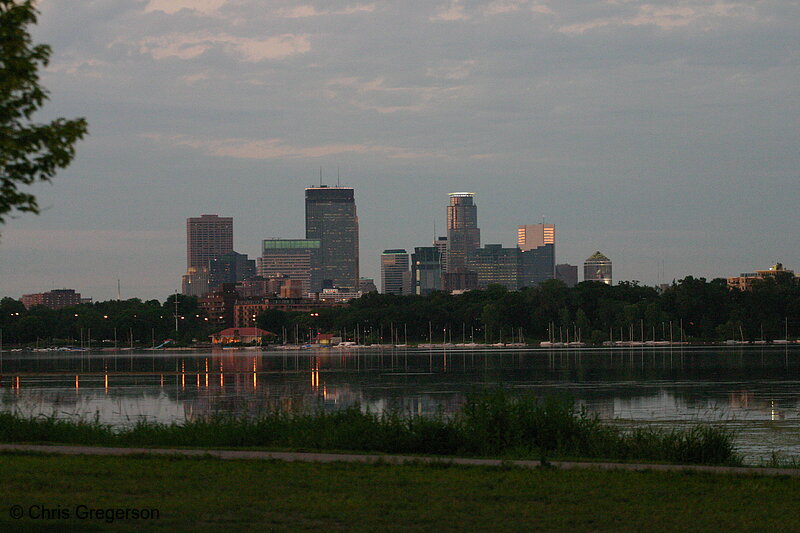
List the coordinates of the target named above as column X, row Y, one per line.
column 665, row 137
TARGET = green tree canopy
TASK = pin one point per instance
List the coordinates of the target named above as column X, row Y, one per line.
column 29, row 151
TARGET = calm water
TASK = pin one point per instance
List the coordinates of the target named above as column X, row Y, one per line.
column 754, row 390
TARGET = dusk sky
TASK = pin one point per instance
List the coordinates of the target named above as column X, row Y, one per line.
column 660, row 133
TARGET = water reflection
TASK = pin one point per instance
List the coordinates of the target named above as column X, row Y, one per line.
column 753, row 390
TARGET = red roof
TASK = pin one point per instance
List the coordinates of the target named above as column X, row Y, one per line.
column 243, row 332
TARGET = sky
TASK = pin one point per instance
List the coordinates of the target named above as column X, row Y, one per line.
column 664, row 134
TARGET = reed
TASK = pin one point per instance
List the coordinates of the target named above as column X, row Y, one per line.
column 496, row 424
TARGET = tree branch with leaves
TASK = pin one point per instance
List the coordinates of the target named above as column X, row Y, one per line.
column 30, row 152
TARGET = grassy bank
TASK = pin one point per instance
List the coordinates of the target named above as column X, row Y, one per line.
column 498, row 424
column 201, row 494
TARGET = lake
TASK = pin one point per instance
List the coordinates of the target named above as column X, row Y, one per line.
column 754, row 390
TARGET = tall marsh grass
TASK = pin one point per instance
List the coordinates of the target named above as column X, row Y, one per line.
column 498, row 424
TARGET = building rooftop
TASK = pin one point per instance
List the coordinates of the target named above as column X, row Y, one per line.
column 597, row 256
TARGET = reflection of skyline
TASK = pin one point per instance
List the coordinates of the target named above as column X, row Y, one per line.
column 632, row 384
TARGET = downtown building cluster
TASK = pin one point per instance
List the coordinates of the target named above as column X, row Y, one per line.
column 291, row 274
column 456, row 262
column 323, row 267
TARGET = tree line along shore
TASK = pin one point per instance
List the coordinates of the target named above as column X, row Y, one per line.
column 692, row 310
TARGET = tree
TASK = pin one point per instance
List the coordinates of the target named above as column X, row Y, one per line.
column 29, row 151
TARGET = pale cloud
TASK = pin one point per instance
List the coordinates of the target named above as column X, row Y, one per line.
column 276, row 148
column 311, row 11
column 455, row 10
column 499, row 7
column 377, row 95
column 173, row 6
column 191, row 79
column 664, row 17
column 89, row 68
column 456, row 71
column 191, row 45
column 452, row 12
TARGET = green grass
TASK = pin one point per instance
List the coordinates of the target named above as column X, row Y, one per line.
column 497, row 424
column 204, row 494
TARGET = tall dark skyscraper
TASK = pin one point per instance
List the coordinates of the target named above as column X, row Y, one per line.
column 331, row 218
column 463, row 234
column 395, row 275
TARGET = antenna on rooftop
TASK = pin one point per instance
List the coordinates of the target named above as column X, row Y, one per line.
column 337, row 175
column 320, row 176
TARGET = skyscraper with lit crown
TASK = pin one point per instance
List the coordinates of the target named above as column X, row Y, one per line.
column 463, row 234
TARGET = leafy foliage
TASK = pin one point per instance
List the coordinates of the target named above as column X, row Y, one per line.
column 706, row 310
column 29, row 151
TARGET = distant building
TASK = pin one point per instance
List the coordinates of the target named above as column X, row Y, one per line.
column 568, row 274
column 218, row 306
column 394, row 271
column 342, row 295
column 597, row 267
column 245, row 312
column 441, row 246
column 538, row 245
column 207, row 237
column 426, row 270
column 745, row 280
column 537, row 265
column 366, row 285
column 196, row 281
column 332, row 220
column 532, row 236
column 292, row 288
column 231, row 267
column 55, row 299
column 463, row 234
column 496, row 265
column 240, row 336
column 259, row 287
column 460, row 280
column 297, row 259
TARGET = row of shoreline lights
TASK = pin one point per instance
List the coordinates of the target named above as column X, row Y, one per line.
column 134, row 316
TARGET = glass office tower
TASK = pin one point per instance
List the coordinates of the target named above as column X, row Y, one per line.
column 331, row 218
column 394, row 272
column 426, row 270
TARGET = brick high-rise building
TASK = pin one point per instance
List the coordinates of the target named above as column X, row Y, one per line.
column 55, row 299
column 207, row 238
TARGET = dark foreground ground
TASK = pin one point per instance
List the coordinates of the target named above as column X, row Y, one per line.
column 206, row 494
